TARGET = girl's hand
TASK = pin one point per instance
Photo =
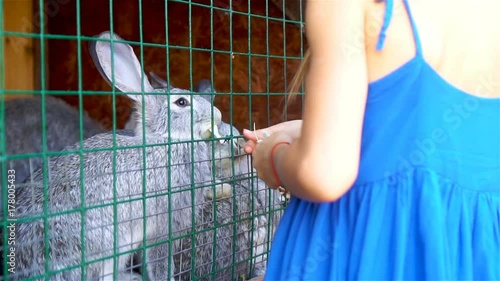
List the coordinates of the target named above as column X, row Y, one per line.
column 261, row 154
column 292, row 128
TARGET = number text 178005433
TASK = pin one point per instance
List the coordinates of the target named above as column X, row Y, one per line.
column 11, row 210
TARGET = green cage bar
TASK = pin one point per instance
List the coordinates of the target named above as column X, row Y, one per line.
column 248, row 51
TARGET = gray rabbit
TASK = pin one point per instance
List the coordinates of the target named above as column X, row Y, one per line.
column 222, row 153
column 106, row 193
column 23, row 136
column 253, row 224
column 23, row 132
column 257, row 208
column 246, row 215
column 249, row 218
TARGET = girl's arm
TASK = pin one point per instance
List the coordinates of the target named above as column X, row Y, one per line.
column 292, row 128
column 323, row 163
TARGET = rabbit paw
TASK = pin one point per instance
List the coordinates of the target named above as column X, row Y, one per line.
column 222, row 190
column 129, row 276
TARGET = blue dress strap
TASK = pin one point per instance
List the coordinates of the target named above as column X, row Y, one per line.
column 385, row 25
column 387, row 20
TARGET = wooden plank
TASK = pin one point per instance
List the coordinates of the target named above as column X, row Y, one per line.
column 18, row 51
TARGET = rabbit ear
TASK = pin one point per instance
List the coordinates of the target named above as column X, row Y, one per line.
column 157, row 82
column 204, row 86
column 127, row 69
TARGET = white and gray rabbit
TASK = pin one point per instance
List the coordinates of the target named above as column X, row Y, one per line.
column 105, row 194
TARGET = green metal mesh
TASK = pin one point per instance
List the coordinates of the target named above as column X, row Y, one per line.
column 234, row 222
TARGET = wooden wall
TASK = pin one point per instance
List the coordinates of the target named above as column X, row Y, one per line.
column 265, row 74
column 19, row 56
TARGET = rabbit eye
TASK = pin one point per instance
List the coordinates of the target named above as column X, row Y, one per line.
column 182, row 102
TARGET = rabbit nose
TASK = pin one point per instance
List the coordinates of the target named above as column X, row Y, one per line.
column 215, row 133
column 207, row 131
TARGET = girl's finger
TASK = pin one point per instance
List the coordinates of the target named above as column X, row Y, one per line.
column 249, row 147
column 249, row 135
column 257, row 134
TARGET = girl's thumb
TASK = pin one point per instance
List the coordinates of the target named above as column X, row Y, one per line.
column 249, row 134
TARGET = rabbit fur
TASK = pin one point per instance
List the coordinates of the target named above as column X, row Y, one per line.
column 23, row 135
column 222, row 152
column 247, row 191
column 134, row 166
column 166, row 214
column 203, row 86
column 254, row 222
column 23, row 131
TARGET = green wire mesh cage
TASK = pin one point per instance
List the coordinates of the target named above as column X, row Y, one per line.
column 120, row 136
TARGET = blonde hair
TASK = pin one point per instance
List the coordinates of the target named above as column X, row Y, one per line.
column 299, row 77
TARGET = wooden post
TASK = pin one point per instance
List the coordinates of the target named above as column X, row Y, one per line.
column 18, row 51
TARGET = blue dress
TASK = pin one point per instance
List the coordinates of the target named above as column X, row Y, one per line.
column 426, row 203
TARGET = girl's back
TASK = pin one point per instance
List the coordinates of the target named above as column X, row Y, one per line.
column 433, row 91
column 460, row 40
column 426, row 201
